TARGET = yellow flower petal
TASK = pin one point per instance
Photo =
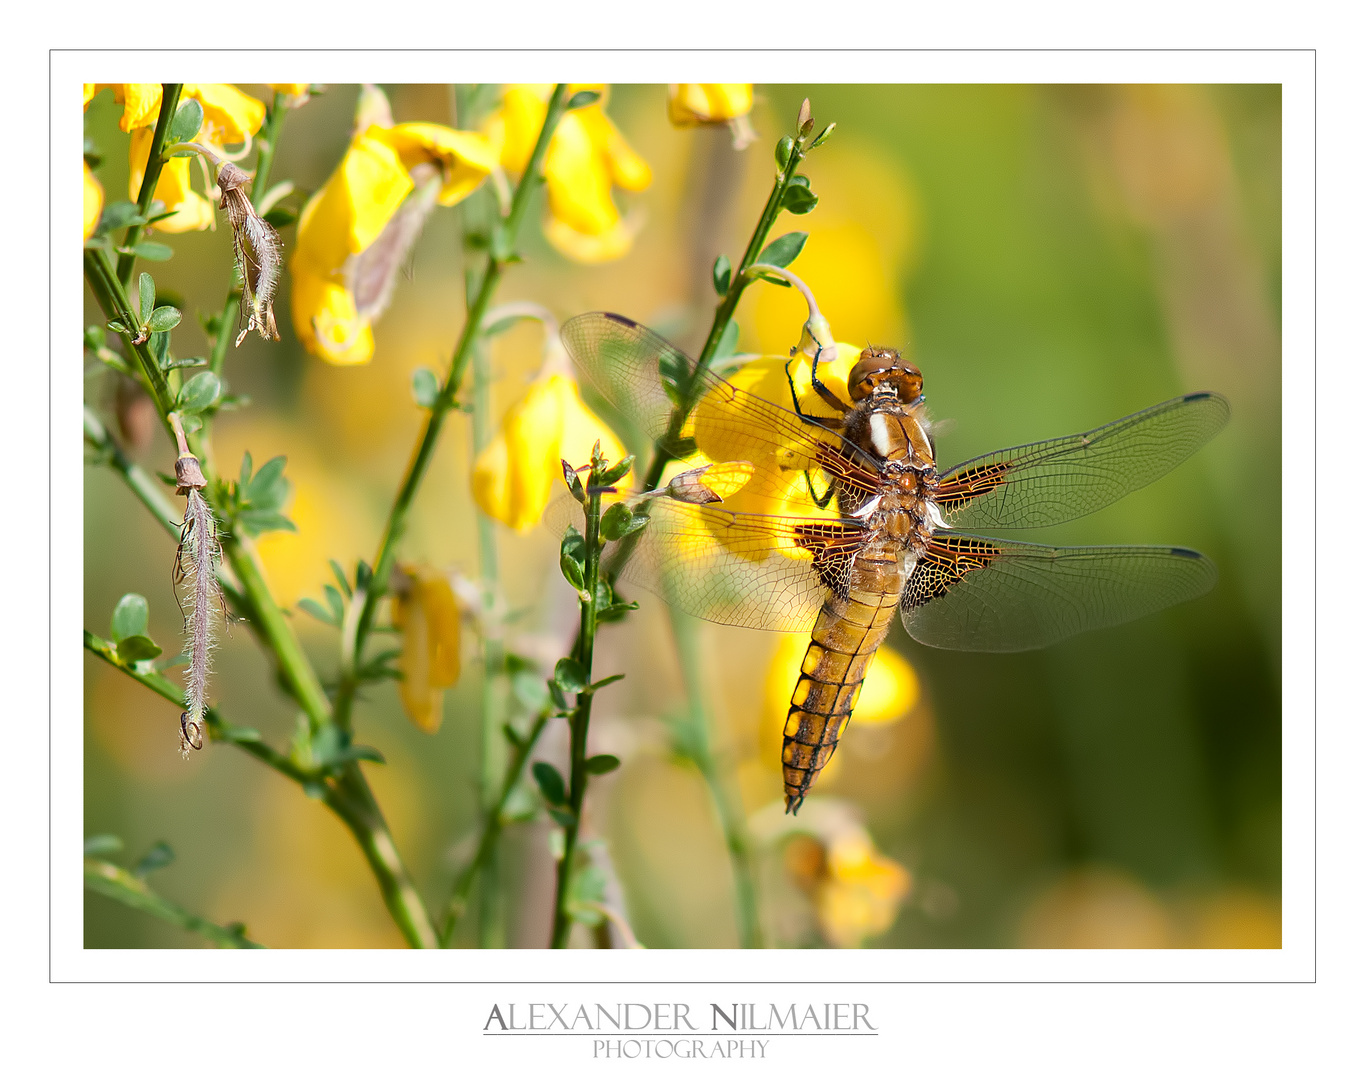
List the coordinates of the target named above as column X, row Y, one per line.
column 192, row 211
column 325, row 319
column 230, row 116
column 582, row 429
column 514, row 474
column 709, row 103
column 88, row 91
column 465, row 157
column 429, row 618
column 350, row 210
column 94, row 201
column 588, row 249
column 141, row 103
column 294, row 89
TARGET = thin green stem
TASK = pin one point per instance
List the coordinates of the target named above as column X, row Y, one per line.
column 499, row 258
column 583, row 708
column 697, row 745
column 113, row 300
column 118, row 884
column 491, row 697
column 170, row 101
column 492, row 830
column 725, row 310
column 151, row 492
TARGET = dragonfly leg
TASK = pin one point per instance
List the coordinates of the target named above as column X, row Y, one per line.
column 820, row 500
column 833, row 423
column 827, row 395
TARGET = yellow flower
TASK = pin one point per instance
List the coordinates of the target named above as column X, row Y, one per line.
column 860, row 893
column 230, row 118
column 516, row 472
column 94, row 201
column 586, row 157
column 708, row 103
column 424, row 608
column 294, row 89
column 342, row 221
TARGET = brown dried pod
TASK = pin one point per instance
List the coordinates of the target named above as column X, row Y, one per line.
column 258, row 250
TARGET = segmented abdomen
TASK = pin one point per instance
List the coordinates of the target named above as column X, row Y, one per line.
column 847, row 634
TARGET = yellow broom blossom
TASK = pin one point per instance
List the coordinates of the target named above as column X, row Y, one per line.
column 425, row 611
column 94, row 201
column 516, row 473
column 691, row 104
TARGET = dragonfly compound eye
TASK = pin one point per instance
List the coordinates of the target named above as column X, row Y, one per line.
column 884, row 371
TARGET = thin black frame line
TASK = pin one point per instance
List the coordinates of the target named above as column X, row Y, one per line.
column 1312, row 51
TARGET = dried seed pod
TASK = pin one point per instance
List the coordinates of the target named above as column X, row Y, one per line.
column 258, row 250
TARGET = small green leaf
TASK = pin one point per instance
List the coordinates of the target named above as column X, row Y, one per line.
column 551, row 783
column 256, row 522
column 191, row 422
column 244, row 473
column 675, row 371
column 572, row 481
column 152, row 251
column 160, row 855
column 582, row 99
column 319, row 612
column 172, row 363
column 616, row 612
column 117, row 327
column 573, row 552
column 617, row 471
column 799, row 200
column 510, row 734
column 137, row 647
column 562, row 818
column 119, row 215
column 268, row 489
column 103, row 844
column 825, row 134
column 363, row 575
column 164, row 318
column 530, row 690
column 130, row 616
column 606, row 682
column 335, row 602
column 783, row 151
column 199, row 393
column 147, row 296
column 616, row 522
column 281, row 216
column 601, row 764
column 720, row 275
column 570, row 675
column 189, row 118
column 340, row 575
column 425, row 387
column 556, row 695
column 783, row 250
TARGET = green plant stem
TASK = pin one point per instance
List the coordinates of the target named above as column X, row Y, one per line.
column 119, row 884
column 170, row 101
column 583, row 707
column 151, row 492
column 725, row 310
column 347, row 795
column 113, row 300
column 492, row 830
column 491, row 699
column 697, row 744
column 500, row 257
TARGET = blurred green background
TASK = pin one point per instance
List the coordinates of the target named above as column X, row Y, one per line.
column 1052, row 258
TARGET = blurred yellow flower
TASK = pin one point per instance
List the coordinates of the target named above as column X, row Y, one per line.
column 340, row 285
column 294, row 89
column 516, row 472
column 860, row 892
column 230, row 118
column 586, row 157
column 708, row 103
column 94, row 201
column 424, row 609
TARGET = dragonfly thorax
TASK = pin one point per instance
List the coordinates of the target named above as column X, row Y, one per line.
column 885, row 374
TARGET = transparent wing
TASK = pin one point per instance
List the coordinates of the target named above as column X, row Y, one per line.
column 988, row 595
column 764, row 572
column 632, row 367
column 1045, row 483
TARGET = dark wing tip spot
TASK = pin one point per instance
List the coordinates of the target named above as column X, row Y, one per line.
column 1186, row 553
column 620, row 319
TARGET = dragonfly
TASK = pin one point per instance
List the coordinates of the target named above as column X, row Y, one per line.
column 841, row 517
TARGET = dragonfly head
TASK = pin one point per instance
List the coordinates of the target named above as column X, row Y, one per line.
column 883, row 374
